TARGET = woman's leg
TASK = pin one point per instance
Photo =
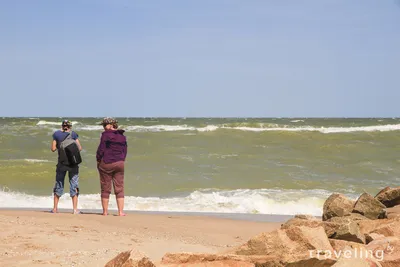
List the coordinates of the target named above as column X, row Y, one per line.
column 105, row 184
column 118, row 180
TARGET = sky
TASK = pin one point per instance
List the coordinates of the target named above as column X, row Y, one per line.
column 208, row 58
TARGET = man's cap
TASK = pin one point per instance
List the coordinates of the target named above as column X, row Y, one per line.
column 108, row 120
column 66, row 123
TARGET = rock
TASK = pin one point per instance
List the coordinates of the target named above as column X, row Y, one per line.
column 386, row 227
column 356, row 217
column 288, row 245
column 347, row 229
column 368, row 206
column 386, row 251
column 385, row 230
column 312, row 223
column 367, row 227
column 373, row 236
column 356, row 262
column 305, row 217
column 130, row 258
column 393, row 212
column 337, row 205
column 389, row 197
column 387, row 188
column 351, row 254
column 343, row 220
column 312, row 262
column 209, row 260
column 342, row 245
column 218, row 260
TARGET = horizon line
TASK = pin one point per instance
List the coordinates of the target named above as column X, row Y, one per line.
column 206, row 117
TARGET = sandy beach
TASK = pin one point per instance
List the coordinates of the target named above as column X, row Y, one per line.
column 37, row 238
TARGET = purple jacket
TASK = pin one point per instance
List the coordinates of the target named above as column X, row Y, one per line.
column 112, row 147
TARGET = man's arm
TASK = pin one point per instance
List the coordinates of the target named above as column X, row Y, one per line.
column 54, row 146
column 79, row 144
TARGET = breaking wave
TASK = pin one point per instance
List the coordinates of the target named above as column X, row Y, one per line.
column 257, row 201
column 248, row 127
column 210, row 128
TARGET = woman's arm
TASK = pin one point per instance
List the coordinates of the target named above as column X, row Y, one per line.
column 101, row 148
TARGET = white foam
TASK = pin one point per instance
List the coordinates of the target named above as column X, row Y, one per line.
column 208, row 128
column 327, row 130
column 222, row 156
column 36, row 160
column 48, row 123
column 160, row 128
column 211, row 128
column 27, row 160
column 90, row 128
column 42, row 122
column 260, row 201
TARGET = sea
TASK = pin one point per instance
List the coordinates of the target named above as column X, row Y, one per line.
column 275, row 166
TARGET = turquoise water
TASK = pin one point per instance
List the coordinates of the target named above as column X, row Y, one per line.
column 257, row 165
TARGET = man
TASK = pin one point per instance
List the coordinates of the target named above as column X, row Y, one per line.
column 73, row 170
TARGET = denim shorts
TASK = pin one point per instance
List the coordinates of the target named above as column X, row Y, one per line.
column 73, row 182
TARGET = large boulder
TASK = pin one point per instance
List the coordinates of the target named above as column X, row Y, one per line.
column 130, row 258
column 393, row 212
column 311, row 262
column 386, row 227
column 337, row 205
column 203, row 259
column 389, row 197
column 369, row 207
column 290, row 245
column 386, row 250
column 305, row 217
column 387, row 188
column 356, row 262
column 342, row 245
column 311, row 222
column 229, row 260
column 385, row 230
column 373, row 236
column 351, row 254
column 356, row 217
column 347, row 229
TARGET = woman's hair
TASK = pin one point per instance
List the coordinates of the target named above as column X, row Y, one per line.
column 115, row 125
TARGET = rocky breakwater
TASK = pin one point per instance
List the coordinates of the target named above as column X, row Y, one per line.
column 351, row 233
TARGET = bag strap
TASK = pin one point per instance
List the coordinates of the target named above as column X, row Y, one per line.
column 69, row 134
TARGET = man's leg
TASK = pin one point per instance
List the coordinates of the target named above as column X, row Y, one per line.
column 74, row 189
column 58, row 188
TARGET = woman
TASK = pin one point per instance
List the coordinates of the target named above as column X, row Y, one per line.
column 110, row 156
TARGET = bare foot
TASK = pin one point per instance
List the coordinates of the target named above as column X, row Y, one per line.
column 121, row 214
column 53, row 211
column 104, row 214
